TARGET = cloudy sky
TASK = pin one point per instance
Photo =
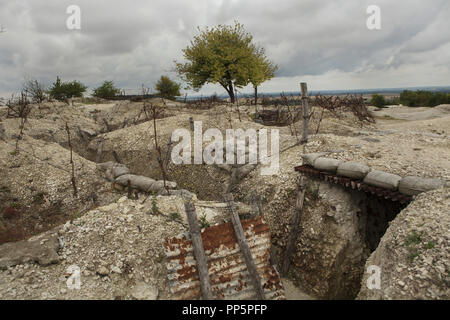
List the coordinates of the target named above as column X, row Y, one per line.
column 325, row 43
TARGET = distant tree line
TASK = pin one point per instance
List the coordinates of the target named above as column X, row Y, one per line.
column 423, row 98
column 62, row 91
column 420, row 98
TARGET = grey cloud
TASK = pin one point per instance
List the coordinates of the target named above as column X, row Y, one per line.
column 135, row 42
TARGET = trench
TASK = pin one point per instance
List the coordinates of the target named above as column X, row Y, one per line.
column 338, row 275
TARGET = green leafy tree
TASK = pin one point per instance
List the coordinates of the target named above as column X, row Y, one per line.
column 66, row 90
column 378, row 101
column 224, row 55
column 261, row 70
column 106, row 91
column 167, row 88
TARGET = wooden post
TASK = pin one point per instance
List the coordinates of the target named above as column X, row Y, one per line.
column 108, row 128
column 116, row 156
column 71, row 161
column 99, row 151
column 258, row 204
column 199, row 253
column 129, row 188
column 295, row 225
column 240, row 236
column 305, row 111
column 191, row 123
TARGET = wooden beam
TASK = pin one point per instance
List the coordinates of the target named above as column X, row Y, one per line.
column 290, row 248
column 240, row 236
column 199, row 253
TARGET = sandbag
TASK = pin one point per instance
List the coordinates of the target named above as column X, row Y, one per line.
column 327, row 164
column 382, row 179
column 113, row 169
column 119, row 171
column 106, row 165
column 182, row 193
column 415, row 185
column 143, row 183
column 309, row 158
column 352, row 169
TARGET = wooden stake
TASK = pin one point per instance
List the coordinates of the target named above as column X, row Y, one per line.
column 199, row 253
column 116, row 156
column 295, row 225
column 305, row 111
column 71, row 162
column 258, row 204
column 240, row 236
column 99, row 151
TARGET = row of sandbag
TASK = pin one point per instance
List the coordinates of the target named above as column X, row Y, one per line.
column 120, row 174
column 407, row 185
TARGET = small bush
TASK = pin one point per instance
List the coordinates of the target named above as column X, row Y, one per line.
column 65, row 90
column 204, row 223
column 378, row 101
column 167, row 88
column 106, row 91
column 35, row 89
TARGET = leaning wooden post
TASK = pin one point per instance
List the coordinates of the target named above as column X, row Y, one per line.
column 305, row 111
column 199, row 253
column 240, row 235
column 295, row 225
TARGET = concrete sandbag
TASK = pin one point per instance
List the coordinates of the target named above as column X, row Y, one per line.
column 415, row 185
column 143, row 183
column 382, row 179
column 309, row 158
column 352, row 169
column 327, row 164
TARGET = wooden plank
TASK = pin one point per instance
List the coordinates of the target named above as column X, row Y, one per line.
column 240, row 236
column 290, row 248
column 199, row 252
column 305, row 111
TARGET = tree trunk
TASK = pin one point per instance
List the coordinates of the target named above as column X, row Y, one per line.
column 231, row 92
column 256, row 95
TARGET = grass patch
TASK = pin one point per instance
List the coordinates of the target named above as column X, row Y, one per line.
column 204, row 223
column 414, row 238
column 155, row 209
column 175, row 216
column 430, row 245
